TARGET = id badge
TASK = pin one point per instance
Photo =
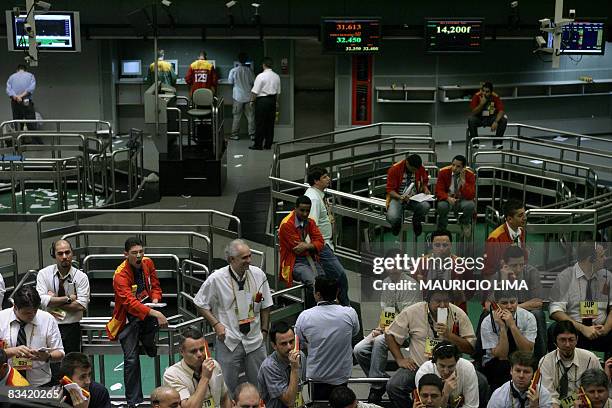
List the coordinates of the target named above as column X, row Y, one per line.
column 299, row 400
column 568, row 402
column 386, row 317
column 245, row 307
column 485, row 112
column 209, row 402
column 589, row 309
column 430, row 344
column 21, row 363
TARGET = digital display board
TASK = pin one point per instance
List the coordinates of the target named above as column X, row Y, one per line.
column 57, row 31
column 581, row 38
column 351, row 35
column 449, row 35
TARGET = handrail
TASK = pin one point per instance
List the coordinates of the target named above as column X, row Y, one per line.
column 22, row 282
column 557, row 132
column 78, row 214
column 58, row 123
column 187, row 233
column 15, row 263
column 178, row 133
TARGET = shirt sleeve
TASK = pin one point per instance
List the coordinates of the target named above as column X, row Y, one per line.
column 531, row 327
column 54, row 337
column 83, row 291
column 355, row 321
column 41, row 288
column 400, row 328
column 267, row 294
column 257, row 85
column 9, row 89
column 274, row 379
column 545, row 399
column 205, row 298
column 32, row 86
column 497, row 399
column 2, row 290
column 475, row 101
column 315, row 209
column 230, row 77
column 487, row 336
column 470, row 387
column 174, row 382
column 558, row 302
column 547, row 368
column 499, row 105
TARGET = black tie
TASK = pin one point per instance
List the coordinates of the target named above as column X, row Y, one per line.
column 564, row 382
column 61, row 291
column 22, row 341
column 517, row 395
column 589, row 290
column 456, row 185
column 511, row 342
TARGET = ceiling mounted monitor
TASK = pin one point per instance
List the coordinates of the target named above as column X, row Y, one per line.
column 454, row 35
column 55, row 31
column 351, row 35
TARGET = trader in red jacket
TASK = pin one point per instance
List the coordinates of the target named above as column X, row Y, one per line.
column 405, row 179
column 300, row 244
column 455, row 189
column 487, row 109
column 512, row 232
column 201, row 74
column 135, row 283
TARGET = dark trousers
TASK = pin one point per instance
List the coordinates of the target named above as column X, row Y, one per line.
column 474, row 122
column 23, row 111
column 265, row 114
column 71, row 339
column 321, row 392
column 136, row 331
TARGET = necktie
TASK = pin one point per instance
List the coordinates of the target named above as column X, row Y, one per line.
column 61, row 291
column 22, row 341
column 455, row 185
column 563, row 382
column 518, row 396
column 511, row 342
column 589, row 290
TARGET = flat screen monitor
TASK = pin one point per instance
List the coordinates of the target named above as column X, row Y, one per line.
column 131, row 68
column 55, row 31
column 344, row 35
column 174, row 63
column 582, row 38
column 454, row 35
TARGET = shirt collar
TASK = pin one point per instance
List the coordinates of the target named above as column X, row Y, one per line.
column 70, row 272
column 579, row 272
column 575, row 360
column 513, row 234
column 186, row 368
column 298, row 222
column 521, row 393
column 13, row 318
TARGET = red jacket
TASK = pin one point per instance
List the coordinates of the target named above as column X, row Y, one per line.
column 15, row 379
column 495, row 247
column 495, row 106
column 289, row 237
column 467, row 191
column 201, row 74
column 125, row 296
column 395, row 174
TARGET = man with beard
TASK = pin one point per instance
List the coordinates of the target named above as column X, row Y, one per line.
column 77, row 367
column 517, row 392
column 561, row 368
column 135, row 283
column 197, row 377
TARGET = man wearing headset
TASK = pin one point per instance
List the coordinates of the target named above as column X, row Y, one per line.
column 581, row 295
column 463, row 385
column 64, row 292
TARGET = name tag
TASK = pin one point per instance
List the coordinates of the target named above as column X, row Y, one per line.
column 430, row 344
column 568, row 402
column 299, row 400
column 209, row 402
column 21, row 363
column 589, row 309
column 386, row 317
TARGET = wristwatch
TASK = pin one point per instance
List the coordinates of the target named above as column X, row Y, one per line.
column 68, row 300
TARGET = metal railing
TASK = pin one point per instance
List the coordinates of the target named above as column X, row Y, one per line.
column 9, row 268
column 214, row 224
column 542, row 132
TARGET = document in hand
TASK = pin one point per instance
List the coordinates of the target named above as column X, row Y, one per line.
column 419, row 198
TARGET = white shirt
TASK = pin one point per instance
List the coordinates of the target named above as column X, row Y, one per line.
column 400, row 299
column 570, row 289
column 514, row 234
column 41, row 332
column 550, row 367
column 76, row 284
column 242, row 77
column 525, row 321
column 267, row 83
column 502, row 398
column 318, row 212
column 467, row 381
column 2, row 290
column 180, row 377
column 217, row 295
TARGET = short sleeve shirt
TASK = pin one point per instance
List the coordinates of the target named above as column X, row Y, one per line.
column 525, row 321
column 180, row 377
column 273, row 379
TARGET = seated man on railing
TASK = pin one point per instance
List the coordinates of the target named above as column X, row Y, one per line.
column 581, row 295
column 405, row 179
column 487, row 109
column 455, row 190
column 236, row 301
column 30, row 337
column 371, row 352
column 282, row 373
column 135, row 283
column 300, row 244
column 197, row 377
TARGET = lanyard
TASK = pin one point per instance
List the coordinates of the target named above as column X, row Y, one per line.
column 431, row 322
column 248, row 288
column 512, row 397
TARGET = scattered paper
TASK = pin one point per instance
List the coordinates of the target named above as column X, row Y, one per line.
column 116, row 386
column 560, row 139
column 238, row 156
column 419, row 198
column 156, row 305
column 238, row 165
column 536, row 161
column 39, row 206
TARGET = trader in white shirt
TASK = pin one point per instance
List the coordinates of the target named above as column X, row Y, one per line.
column 243, row 78
column 31, row 337
column 264, row 95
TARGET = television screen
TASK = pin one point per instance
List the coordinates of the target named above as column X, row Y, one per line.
column 351, row 35
column 55, row 31
column 581, row 38
column 453, row 35
column 174, row 63
column 131, row 68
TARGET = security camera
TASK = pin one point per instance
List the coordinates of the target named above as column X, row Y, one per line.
column 166, row 3
column 43, row 5
column 256, row 5
column 230, row 4
column 545, row 23
column 540, row 41
column 572, row 13
column 514, row 4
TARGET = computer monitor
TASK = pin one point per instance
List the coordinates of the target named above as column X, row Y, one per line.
column 582, row 38
column 351, row 35
column 55, row 31
column 174, row 63
column 131, row 68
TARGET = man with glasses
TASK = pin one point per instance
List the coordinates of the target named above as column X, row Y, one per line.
column 581, row 295
column 506, row 329
column 135, row 318
column 64, row 292
column 246, row 396
column 421, row 323
column 165, row 397
column 561, row 368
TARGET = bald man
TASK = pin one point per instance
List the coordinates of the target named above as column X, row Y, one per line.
column 246, row 396
column 64, row 292
column 165, row 397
